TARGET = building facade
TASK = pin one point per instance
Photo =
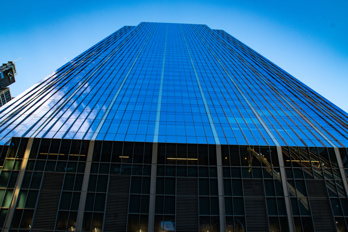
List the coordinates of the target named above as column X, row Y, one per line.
column 5, row 96
column 172, row 127
column 7, row 74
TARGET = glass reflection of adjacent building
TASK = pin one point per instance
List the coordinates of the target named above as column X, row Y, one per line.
column 172, row 127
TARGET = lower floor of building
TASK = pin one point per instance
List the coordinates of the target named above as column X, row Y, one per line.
column 76, row 185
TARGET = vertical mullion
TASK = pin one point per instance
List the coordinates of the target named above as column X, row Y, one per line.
column 83, row 196
column 18, row 185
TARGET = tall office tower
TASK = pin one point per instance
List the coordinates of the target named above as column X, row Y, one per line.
column 5, row 96
column 7, row 73
column 172, row 127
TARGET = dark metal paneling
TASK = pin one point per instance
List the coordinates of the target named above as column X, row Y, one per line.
column 117, row 204
column 253, row 188
column 316, row 188
column 322, row 216
column 320, row 206
column 187, row 187
column 47, row 207
column 187, row 205
column 255, row 206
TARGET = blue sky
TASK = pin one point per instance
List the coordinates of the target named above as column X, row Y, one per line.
column 308, row 39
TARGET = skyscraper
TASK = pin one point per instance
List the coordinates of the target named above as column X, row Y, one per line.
column 7, row 73
column 172, row 127
column 5, row 96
